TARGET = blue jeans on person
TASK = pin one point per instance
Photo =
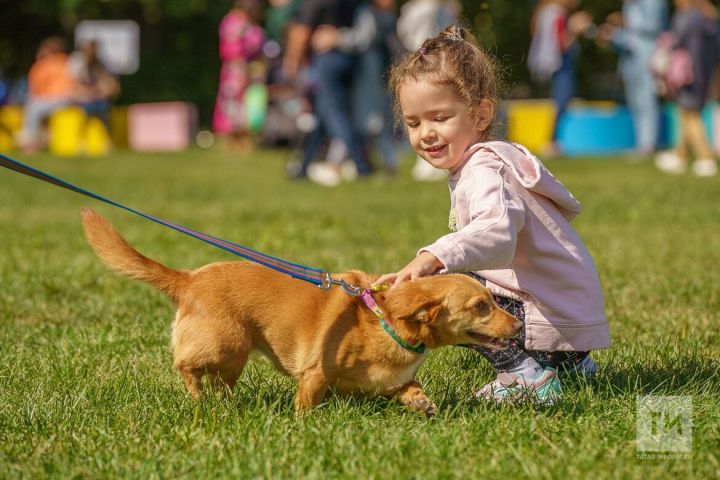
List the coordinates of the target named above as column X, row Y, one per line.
column 311, row 145
column 35, row 111
column 99, row 109
column 562, row 86
column 642, row 101
column 334, row 76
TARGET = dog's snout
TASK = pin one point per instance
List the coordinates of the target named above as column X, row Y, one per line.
column 518, row 327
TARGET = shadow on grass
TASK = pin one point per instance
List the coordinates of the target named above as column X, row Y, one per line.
column 262, row 391
column 691, row 375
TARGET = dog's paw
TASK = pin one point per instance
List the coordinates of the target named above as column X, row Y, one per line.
column 424, row 405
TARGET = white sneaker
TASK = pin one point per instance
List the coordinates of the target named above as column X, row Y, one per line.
column 705, row 168
column 509, row 387
column 670, row 162
column 324, row 174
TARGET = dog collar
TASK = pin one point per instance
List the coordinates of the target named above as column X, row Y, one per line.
column 370, row 302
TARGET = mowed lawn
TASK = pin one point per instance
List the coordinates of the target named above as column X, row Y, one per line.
column 87, row 387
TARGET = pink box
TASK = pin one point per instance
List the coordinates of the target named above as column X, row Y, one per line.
column 161, row 127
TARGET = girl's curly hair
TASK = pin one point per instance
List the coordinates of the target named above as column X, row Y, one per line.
column 453, row 58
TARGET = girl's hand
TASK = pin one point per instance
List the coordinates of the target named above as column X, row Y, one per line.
column 424, row 264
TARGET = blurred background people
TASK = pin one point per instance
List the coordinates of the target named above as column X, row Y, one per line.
column 554, row 50
column 50, row 87
column 695, row 25
column 422, row 19
column 634, row 33
column 241, row 42
column 95, row 85
column 331, row 74
column 374, row 40
column 277, row 16
column 418, row 21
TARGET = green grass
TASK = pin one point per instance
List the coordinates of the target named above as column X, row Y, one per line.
column 87, row 388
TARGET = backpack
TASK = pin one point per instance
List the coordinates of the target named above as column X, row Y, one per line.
column 671, row 65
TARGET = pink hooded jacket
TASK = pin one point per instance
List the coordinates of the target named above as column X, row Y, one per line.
column 511, row 224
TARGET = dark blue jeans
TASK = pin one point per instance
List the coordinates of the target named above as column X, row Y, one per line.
column 332, row 101
column 562, row 86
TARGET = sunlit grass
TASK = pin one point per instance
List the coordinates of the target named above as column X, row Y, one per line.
column 86, row 383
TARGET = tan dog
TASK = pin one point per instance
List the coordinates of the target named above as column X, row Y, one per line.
column 323, row 338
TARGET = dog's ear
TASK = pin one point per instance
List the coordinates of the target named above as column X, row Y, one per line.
column 417, row 307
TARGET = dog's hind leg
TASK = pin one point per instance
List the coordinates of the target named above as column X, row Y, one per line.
column 312, row 387
column 227, row 375
column 192, row 379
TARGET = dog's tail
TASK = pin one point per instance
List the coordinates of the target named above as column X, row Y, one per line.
column 119, row 255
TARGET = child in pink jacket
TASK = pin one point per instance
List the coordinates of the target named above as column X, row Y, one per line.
column 510, row 220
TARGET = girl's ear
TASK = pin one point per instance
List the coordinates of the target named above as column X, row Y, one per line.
column 485, row 112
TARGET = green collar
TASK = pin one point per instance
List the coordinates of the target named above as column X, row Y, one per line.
column 417, row 348
column 370, row 302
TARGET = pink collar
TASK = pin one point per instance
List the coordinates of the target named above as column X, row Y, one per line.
column 412, row 344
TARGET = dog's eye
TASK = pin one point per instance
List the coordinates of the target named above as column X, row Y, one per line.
column 482, row 307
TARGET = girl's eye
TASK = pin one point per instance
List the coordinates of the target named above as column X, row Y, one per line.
column 412, row 125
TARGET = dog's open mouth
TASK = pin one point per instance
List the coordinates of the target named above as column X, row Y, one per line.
column 487, row 341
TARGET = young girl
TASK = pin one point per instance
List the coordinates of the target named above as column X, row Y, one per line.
column 509, row 219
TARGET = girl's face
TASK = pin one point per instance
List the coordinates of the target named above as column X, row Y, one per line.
column 438, row 122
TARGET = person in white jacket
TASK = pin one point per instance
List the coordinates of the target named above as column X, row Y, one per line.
column 509, row 220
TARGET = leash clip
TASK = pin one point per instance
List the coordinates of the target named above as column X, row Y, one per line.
column 328, row 281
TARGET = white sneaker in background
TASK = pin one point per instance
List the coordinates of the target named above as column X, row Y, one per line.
column 670, row 162
column 348, row 171
column 422, row 171
column 705, row 167
column 324, row 174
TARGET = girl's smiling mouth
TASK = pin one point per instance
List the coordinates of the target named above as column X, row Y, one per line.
column 436, row 151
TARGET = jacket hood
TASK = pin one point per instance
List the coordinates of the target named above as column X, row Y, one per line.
column 532, row 175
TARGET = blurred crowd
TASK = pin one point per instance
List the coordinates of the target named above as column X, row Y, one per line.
column 659, row 57
column 59, row 79
column 311, row 74
column 324, row 65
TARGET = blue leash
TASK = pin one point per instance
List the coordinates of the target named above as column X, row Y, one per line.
column 308, row 274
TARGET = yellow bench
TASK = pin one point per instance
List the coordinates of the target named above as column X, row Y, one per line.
column 11, row 118
column 72, row 132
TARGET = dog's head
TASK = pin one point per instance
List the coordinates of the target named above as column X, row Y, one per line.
column 450, row 310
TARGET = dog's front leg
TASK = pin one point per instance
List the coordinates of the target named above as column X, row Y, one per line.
column 412, row 395
column 312, row 387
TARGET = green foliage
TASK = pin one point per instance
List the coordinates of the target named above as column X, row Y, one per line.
column 87, row 388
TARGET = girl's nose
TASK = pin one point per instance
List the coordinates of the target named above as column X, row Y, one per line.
column 428, row 134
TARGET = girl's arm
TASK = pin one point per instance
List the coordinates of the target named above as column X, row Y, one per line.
column 488, row 241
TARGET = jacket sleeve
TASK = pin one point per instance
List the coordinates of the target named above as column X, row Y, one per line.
column 496, row 216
